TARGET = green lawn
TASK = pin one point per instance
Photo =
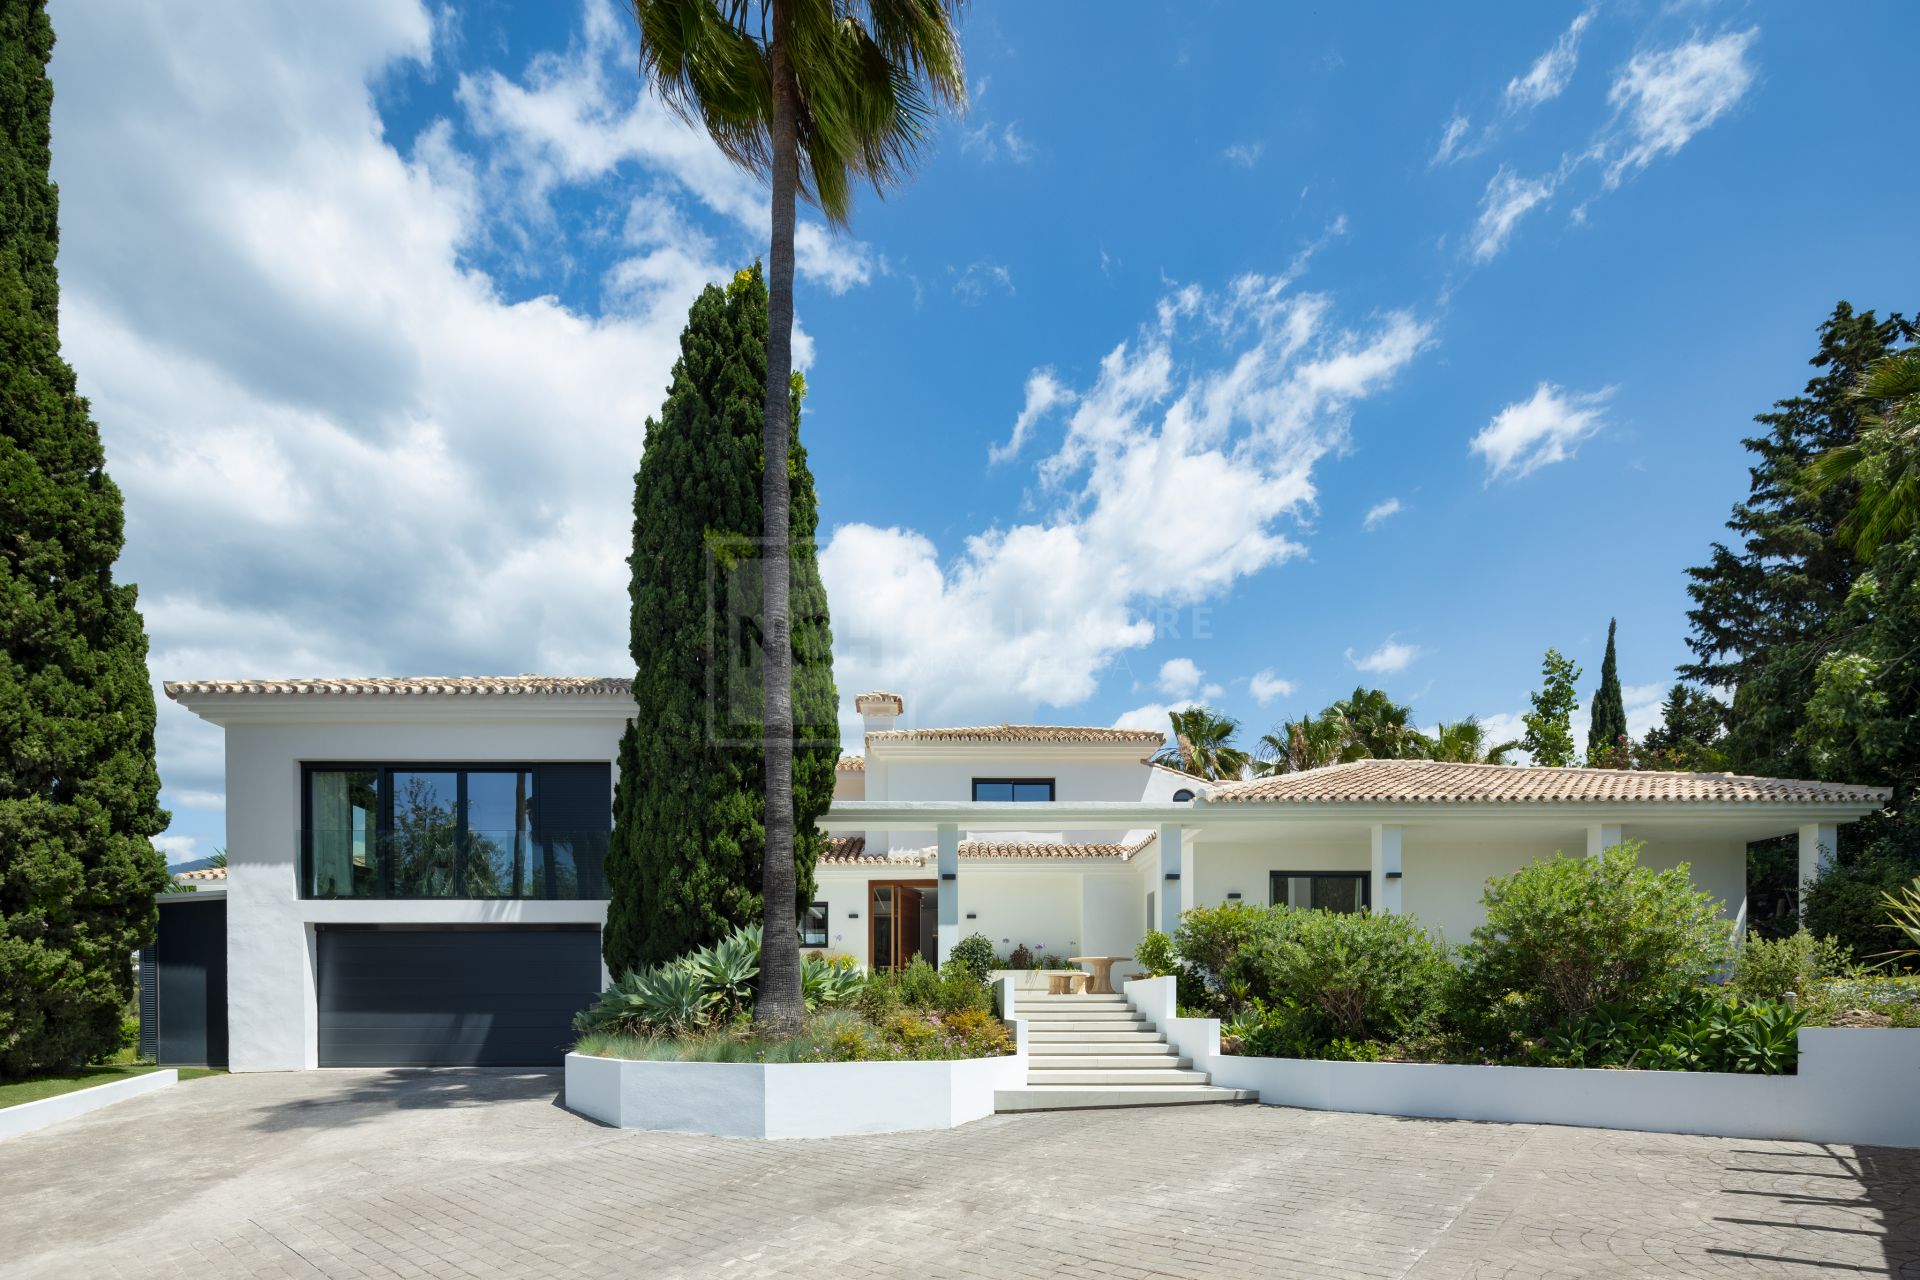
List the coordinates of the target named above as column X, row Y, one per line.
column 52, row 1086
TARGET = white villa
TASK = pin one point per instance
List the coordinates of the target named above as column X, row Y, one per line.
column 414, row 874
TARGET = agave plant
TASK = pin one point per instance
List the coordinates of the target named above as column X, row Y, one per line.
column 726, row 969
column 674, row 998
column 1903, row 917
column 824, row 983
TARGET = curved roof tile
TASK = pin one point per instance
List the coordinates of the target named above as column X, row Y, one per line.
column 1436, row 782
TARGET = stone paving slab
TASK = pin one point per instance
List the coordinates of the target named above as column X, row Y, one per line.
column 478, row 1174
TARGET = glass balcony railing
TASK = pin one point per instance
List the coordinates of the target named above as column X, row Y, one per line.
column 446, row 862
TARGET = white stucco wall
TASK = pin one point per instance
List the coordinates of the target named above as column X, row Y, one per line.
column 271, row 1008
column 1078, row 772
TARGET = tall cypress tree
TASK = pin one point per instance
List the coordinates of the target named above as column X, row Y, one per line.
column 79, row 794
column 1609, row 708
column 684, row 865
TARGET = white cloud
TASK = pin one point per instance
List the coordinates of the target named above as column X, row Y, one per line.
column 1244, row 154
column 1381, row 511
column 1450, row 140
column 178, row 848
column 1235, row 393
column 1180, row 677
column 1389, row 658
column 1669, row 96
column 1549, row 76
column 1154, row 715
column 989, row 141
column 1045, row 393
column 1508, row 198
column 580, row 115
column 1530, row 434
column 1265, row 687
column 981, row 278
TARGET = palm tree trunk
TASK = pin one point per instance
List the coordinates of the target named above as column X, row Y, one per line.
column 779, row 1007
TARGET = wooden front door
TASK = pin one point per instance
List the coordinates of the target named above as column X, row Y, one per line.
column 900, row 922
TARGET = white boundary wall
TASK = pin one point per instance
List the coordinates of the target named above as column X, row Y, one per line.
column 1855, row 1085
column 25, row 1117
column 788, row 1100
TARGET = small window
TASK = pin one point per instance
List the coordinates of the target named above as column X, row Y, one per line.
column 813, row 925
column 1347, row 891
column 1012, row 790
column 1182, row 796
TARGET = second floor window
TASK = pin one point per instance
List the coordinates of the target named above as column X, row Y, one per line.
column 1004, row 790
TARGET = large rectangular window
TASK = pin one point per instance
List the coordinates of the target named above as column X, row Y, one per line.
column 456, row 831
column 1012, row 790
column 1348, row 891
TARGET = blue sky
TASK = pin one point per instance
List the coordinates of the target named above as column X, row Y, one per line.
column 1224, row 352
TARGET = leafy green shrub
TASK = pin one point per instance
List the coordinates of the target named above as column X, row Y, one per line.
column 1155, row 954
column 918, row 984
column 878, row 998
column 976, row 1033
column 1767, row 968
column 1357, row 977
column 974, row 953
column 959, row 991
column 1050, row 961
column 1021, row 957
column 1566, row 936
column 1210, row 937
column 1701, row 1031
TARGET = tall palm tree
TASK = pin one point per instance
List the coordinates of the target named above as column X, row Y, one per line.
column 1465, row 742
column 1379, row 727
column 1203, row 745
column 815, row 96
column 1885, row 458
column 1310, row 742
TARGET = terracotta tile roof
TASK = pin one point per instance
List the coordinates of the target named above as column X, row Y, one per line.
column 1020, row 733
column 1434, row 782
column 202, row 875
column 442, row 686
column 851, row 764
column 844, row 851
column 410, row 686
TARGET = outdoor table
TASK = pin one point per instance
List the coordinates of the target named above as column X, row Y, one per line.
column 1102, row 966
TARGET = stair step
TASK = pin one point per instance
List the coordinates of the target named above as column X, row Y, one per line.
column 1052, row 1026
column 1093, row 1013
column 1061, row 1002
column 1082, row 1035
column 1108, row 1062
column 1132, row 1076
column 1061, row 1097
column 1148, row 1048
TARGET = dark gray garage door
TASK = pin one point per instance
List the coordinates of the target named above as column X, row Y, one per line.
column 453, row 997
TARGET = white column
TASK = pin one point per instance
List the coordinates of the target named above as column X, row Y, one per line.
column 947, row 900
column 1601, row 836
column 1386, row 868
column 1819, row 841
column 1175, row 888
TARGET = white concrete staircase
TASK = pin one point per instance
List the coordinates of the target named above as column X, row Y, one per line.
column 1097, row 1051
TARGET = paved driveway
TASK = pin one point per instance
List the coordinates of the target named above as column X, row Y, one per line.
column 474, row 1173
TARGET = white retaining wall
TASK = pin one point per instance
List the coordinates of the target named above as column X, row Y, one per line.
column 1855, row 1085
column 788, row 1100
column 25, row 1117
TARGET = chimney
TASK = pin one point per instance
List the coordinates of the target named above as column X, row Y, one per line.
column 879, row 710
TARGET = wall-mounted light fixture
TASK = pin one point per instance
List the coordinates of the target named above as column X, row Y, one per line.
column 853, row 915
column 1173, row 875
column 1233, row 897
column 973, row 915
column 949, row 875
column 1393, row 875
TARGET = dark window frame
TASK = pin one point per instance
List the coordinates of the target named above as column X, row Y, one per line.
column 1010, row 783
column 383, row 820
column 826, row 925
column 1364, row 877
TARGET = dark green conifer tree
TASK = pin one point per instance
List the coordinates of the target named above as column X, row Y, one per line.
column 79, row 794
column 684, row 864
column 1608, row 710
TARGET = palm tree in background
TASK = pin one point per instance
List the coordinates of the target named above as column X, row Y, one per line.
column 815, row 97
column 1311, row 742
column 1379, row 728
column 1203, row 745
column 1885, row 458
column 1465, row 742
